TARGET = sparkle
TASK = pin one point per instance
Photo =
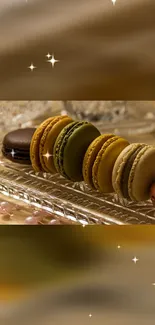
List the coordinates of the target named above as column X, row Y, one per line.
column 113, row 1
column 135, row 259
column 118, row 246
column 32, row 67
column 153, row 284
column 47, row 155
column 53, row 61
column 90, row 315
column 12, row 153
column 48, row 55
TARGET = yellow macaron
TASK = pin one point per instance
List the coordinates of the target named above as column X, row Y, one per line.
column 99, row 161
column 91, row 155
column 42, row 143
column 48, row 140
column 34, row 146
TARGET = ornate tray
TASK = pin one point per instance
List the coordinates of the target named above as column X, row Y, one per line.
column 72, row 201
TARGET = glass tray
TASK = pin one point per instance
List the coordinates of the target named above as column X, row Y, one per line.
column 73, row 201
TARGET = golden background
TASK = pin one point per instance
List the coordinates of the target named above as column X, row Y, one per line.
column 105, row 51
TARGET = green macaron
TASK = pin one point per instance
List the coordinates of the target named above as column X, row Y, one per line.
column 70, row 148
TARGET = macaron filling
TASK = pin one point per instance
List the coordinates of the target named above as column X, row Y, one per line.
column 126, row 172
column 58, row 144
column 19, row 154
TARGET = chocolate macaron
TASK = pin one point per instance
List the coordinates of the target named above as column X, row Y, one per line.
column 70, row 148
column 134, row 172
column 16, row 145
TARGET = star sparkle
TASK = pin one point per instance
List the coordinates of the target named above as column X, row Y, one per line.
column 47, row 155
column 53, row 61
column 12, row 153
column 113, row 1
column 90, row 315
column 48, row 55
column 135, row 259
column 153, row 284
column 32, row 67
column 118, row 246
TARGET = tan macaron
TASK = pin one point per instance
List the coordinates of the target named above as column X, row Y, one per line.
column 134, row 172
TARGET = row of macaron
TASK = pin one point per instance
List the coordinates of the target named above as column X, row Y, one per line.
column 106, row 162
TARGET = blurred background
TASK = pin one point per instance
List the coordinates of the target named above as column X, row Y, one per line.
column 75, row 274
column 105, row 51
column 132, row 119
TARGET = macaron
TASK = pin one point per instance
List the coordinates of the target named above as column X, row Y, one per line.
column 91, row 155
column 41, row 148
column 70, row 148
column 48, row 140
column 34, row 146
column 16, row 145
column 99, row 161
column 134, row 172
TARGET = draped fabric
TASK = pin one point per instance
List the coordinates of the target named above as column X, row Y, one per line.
column 106, row 51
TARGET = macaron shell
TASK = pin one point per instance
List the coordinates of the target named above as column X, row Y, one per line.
column 142, row 174
column 19, row 139
column 35, row 142
column 103, row 166
column 120, row 164
column 75, row 150
column 90, row 157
